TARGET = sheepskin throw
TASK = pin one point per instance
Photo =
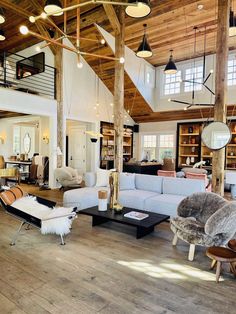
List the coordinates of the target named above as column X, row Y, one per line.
column 54, row 220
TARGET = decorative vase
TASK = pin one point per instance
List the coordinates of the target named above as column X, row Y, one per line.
column 114, row 188
column 102, row 200
column 188, row 161
column 190, row 129
column 192, row 160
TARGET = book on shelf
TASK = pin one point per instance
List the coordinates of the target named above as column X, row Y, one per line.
column 136, row 215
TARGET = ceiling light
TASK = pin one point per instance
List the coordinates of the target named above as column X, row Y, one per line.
column 38, row 48
column 103, row 41
column 53, row 7
column 232, row 24
column 111, row 104
column 79, row 65
column 200, row 7
column 144, row 49
column 170, row 67
column 24, row 30
column 43, row 15
column 122, row 60
column 2, row 17
column 32, row 19
column 142, row 8
column 2, row 35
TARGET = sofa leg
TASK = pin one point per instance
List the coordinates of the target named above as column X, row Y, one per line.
column 175, row 240
column 191, row 252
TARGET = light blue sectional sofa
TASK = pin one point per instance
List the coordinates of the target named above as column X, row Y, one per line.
column 152, row 193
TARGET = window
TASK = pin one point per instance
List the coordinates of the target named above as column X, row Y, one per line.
column 158, row 146
column 231, row 72
column 196, row 74
column 149, row 147
column 166, row 146
column 172, row 83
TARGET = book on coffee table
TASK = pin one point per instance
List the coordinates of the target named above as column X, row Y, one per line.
column 136, row 215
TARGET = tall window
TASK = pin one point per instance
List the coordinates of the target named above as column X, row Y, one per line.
column 166, row 146
column 149, row 147
column 172, row 83
column 158, row 146
column 231, row 72
column 195, row 74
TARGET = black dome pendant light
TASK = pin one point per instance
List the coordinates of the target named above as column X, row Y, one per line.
column 144, row 49
column 142, row 9
column 53, row 6
column 170, row 67
column 2, row 16
column 2, row 35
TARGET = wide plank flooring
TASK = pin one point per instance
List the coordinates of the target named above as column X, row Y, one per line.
column 105, row 270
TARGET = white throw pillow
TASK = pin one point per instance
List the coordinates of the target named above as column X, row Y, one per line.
column 127, row 181
column 102, row 177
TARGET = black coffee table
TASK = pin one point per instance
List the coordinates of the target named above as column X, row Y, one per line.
column 143, row 227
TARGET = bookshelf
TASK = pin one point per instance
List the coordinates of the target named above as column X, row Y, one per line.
column 108, row 143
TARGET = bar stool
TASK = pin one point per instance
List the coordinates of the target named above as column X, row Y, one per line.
column 221, row 255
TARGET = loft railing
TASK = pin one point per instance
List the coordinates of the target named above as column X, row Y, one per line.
column 16, row 72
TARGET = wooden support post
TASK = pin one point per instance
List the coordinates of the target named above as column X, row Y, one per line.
column 119, row 92
column 59, row 98
column 218, row 162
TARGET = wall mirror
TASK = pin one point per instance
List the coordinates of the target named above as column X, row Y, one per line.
column 27, row 143
column 216, row 135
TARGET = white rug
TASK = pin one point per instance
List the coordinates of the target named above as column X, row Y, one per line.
column 52, row 222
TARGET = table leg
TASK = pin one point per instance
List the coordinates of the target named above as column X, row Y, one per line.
column 98, row 220
column 141, row 231
column 213, row 264
column 218, row 269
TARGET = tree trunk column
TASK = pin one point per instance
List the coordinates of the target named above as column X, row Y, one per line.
column 119, row 93
column 218, row 162
column 59, row 98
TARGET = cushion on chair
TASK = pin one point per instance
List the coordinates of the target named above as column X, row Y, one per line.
column 194, row 170
column 200, row 205
column 11, row 195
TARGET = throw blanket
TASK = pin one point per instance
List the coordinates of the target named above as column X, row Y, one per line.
column 54, row 220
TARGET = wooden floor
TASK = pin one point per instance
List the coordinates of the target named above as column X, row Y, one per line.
column 105, row 270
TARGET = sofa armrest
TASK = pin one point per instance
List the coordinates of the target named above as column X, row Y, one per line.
column 90, row 179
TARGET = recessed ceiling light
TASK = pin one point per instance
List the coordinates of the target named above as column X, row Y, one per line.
column 200, row 6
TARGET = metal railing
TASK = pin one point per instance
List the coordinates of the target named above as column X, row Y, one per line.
column 42, row 84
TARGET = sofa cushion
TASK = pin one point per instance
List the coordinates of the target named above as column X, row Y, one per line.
column 163, row 204
column 181, row 186
column 102, row 177
column 82, row 198
column 127, row 181
column 134, row 198
column 148, row 183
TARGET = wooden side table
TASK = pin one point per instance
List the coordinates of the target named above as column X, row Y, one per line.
column 221, row 255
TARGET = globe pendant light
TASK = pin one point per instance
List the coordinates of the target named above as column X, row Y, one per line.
column 2, row 17
column 2, row 35
column 53, row 6
column 142, row 9
column 232, row 24
column 144, row 49
column 170, row 67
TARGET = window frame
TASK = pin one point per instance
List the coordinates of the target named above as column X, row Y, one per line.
column 157, row 148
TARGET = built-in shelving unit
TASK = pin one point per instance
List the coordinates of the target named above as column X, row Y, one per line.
column 190, row 148
column 108, row 143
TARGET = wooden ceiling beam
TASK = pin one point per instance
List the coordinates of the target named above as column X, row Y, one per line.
column 111, row 14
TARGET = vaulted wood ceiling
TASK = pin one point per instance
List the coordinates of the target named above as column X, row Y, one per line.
column 170, row 26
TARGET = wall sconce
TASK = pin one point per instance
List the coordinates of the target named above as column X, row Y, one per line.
column 1, row 140
column 46, row 139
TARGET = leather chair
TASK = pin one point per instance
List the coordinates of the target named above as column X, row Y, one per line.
column 163, row 173
column 205, row 219
column 68, row 177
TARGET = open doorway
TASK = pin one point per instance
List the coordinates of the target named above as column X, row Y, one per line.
column 79, row 149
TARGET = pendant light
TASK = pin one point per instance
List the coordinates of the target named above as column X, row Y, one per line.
column 2, row 16
column 53, row 6
column 170, row 67
column 144, row 49
column 232, row 23
column 142, row 9
column 2, row 35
